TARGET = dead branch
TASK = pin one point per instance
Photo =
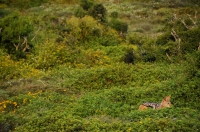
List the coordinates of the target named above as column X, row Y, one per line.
column 174, row 34
column 194, row 22
column 169, row 58
column 42, row 82
column 185, row 24
column 177, row 39
column 26, row 44
column 17, row 46
column 36, row 33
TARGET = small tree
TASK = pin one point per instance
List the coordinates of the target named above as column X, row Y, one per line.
column 98, row 12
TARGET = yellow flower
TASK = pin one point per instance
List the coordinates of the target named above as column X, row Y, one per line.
column 140, row 122
column 4, row 106
column 15, row 103
column 129, row 129
column 24, row 101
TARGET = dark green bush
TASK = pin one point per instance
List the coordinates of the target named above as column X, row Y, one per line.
column 80, row 12
column 98, row 11
column 86, row 4
column 114, row 14
column 14, row 35
column 129, row 56
column 190, row 40
column 121, row 27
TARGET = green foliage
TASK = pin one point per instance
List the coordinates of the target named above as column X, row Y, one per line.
column 23, row 4
column 121, row 27
column 86, row 4
column 14, row 35
column 181, row 37
column 80, row 12
column 98, row 11
column 114, row 14
column 129, row 57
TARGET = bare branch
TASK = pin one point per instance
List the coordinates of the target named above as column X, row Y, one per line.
column 42, row 82
column 177, row 39
column 169, row 58
column 36, row 33
column 174, row 34
column 185, row 24
column 194, row 22
column 26, row 44
column 17, row 46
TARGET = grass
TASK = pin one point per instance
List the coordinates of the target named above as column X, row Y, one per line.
column 82, row 100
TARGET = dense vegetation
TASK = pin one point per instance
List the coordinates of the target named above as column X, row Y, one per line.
column 87, row 65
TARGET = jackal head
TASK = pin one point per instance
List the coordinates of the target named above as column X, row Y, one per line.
column 166, row 102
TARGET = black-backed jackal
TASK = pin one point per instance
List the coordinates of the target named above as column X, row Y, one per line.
column 165, row 103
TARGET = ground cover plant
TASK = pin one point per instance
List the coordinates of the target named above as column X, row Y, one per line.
column 88, row 65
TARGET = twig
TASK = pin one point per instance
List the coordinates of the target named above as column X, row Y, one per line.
column 169, row 58
column 17, row 46
column 26, row 46
column 177, row 39
column 36, row 33
column 185, row 24
column 42, row 82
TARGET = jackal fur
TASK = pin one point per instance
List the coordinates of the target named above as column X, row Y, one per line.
column 165, row 103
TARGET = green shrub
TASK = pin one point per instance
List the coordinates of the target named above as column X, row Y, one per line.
column 86, row 4
column 98, row 11
column 15, row 33
column 129, row 56
column 121, row 27
column 114, row 14
column 80, row 12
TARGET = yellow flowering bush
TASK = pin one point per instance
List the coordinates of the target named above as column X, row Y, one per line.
column 48, row 55
column 7, row 105
column 10, row 69
column 82, row 28
column 95, row 57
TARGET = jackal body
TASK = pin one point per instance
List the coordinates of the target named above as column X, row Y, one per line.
column 165, row 103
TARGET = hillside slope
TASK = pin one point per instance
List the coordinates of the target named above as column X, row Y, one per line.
column 62, row 69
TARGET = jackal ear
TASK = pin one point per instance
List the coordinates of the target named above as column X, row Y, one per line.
column 167, row 98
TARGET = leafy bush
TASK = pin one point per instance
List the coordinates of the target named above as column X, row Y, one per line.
column 14, row 35
column 10, row 69
column 86, row 4
column 181, row 37
column 80, row 12
column 129, row 57
column 98, row 11
column 121, row 27
column 114, row 15
column 48, row 55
